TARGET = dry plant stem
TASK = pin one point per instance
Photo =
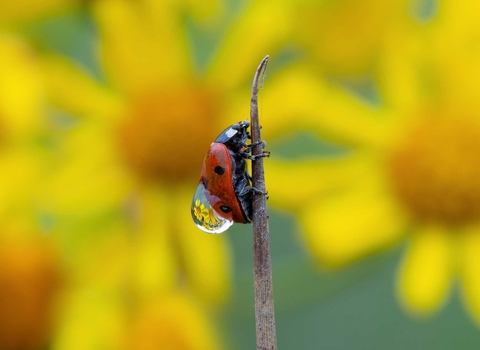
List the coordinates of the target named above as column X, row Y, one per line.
column 262, row 268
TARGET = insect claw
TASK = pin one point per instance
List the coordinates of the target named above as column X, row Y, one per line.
column 257, row 191
column 261, row 155
column 247, row 155
column 263, row 143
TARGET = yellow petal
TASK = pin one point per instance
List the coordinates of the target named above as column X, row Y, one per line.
column 90, row 320
column 344, row 226
column 426, row 271
column 71, row 88
column 142, row 43
column 258, row 32
column 298, row 99
column 22, row 94
column 470, row 270
column 87, row 259
column 401, row 79
column 206, row 257
column 154, row 266
column 292, row 184
column 89, row 177
column 23, row 173
column 173, row 321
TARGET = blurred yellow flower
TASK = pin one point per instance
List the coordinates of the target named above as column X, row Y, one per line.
column 410, row 165
column 128, row 158
column 139, row 149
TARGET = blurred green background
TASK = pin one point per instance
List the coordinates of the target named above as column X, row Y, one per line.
column 112, row 283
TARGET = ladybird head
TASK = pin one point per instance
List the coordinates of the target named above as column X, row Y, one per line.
column 235, row 136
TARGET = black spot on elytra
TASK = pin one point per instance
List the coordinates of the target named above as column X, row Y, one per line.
column 219, row 170
column 225, row 209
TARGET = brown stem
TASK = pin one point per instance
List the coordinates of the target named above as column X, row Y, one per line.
column 262, row 268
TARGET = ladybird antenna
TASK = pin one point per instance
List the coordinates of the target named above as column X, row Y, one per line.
column 262, row 268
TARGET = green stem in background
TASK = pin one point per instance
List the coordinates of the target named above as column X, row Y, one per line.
column 262, row 268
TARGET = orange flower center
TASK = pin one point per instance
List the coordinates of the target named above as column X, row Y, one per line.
column 436, row 171
column 168, row 131
column 30, row 279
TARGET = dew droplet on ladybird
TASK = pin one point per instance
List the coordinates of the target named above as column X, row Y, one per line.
column 203, row 214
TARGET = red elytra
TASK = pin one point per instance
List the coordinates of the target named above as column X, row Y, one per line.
column 224, row 193
column 217, row 178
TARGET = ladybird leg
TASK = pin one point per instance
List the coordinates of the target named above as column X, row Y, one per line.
column 257, row 191
column 263, row 143
column 250, row 178
column 246, row 155
column 251, row 157
column 261, row 155
column 252, row 189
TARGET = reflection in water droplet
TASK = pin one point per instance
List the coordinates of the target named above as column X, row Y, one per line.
column 204, row 216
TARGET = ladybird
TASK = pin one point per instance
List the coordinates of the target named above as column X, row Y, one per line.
column 224, row 192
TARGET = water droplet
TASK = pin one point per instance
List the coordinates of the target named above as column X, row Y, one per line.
column 203, row 214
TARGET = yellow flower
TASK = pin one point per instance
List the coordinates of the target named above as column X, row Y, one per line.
column 201, row 213
column 410, row 165
column 137, row 151
column 212, row 218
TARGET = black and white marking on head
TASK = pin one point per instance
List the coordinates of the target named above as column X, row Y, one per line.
column 226, row 135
